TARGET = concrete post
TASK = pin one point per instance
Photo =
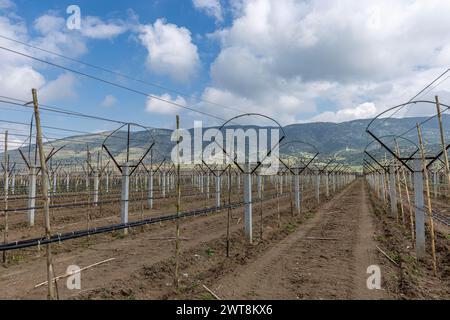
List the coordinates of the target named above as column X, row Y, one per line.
column 202, row 179
column 207, row 185
column 383, row 187
column 218, row 191
column 297, row 191
column 248, row 204
column 67, row 182
column 150, row 189
column 54, row 183
column 96, row 182
column 281, row 184
column 419, row 209
column 393, row 191
column 13, row 183
column 31, row 196
column 163, row 188
column 435, row 184
column 327, row 187
column 107, row 183
column 318, row 188
column 258, row 182
column 125, row 195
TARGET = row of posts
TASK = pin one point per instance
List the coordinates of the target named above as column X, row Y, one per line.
column 385, row 186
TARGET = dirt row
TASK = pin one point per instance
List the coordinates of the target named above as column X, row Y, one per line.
column 289, row 262
column 143, row 245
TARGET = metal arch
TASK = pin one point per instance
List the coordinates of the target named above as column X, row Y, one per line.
column 403, row 105
column 233, row 159
column 254, row 114
column 300, row 142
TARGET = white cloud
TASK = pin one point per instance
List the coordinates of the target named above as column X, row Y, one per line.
column 212, row 8
column 54, row 36
column 363, row 111
column 109, row 101
column 157, row 105
column 170, row 50
column 19, row 74
column 96, row 28
column 62, row 87
column 297, row 56
column 6, row 4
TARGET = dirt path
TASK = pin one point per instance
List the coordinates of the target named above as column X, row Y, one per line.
column 302, row 268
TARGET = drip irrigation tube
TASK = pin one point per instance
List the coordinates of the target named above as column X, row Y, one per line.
column 84, row 233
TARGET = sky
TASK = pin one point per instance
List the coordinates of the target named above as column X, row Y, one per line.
column 293, row 60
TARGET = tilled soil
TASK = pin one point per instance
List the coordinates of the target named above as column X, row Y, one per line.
column 323, row 253
column 318, row 255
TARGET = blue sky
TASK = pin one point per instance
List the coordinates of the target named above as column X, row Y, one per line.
column 296, row 61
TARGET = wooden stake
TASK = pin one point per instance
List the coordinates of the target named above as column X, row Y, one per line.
column 44, row 186
column 68, row 275
column 387, row 256
column 427, row 189
column 212, row 293
column 444, row 147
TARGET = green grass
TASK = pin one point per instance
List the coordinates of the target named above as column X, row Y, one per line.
column 310, row 215
column 207, row 296
column 290, row 227
column 210, row 252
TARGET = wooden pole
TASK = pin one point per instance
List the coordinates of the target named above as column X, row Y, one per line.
column 444, row 147
column 177, row 234
column 427, row 189
column 51, row 294
column 5, row 187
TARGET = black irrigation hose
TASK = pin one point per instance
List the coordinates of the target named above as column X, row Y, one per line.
column 80, row 204
column 115, row 227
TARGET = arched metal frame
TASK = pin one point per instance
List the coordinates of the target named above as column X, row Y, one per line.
column 128, row 146
column 259, row 163
column 395, row 137
column 402, row 160
column 305, row 166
